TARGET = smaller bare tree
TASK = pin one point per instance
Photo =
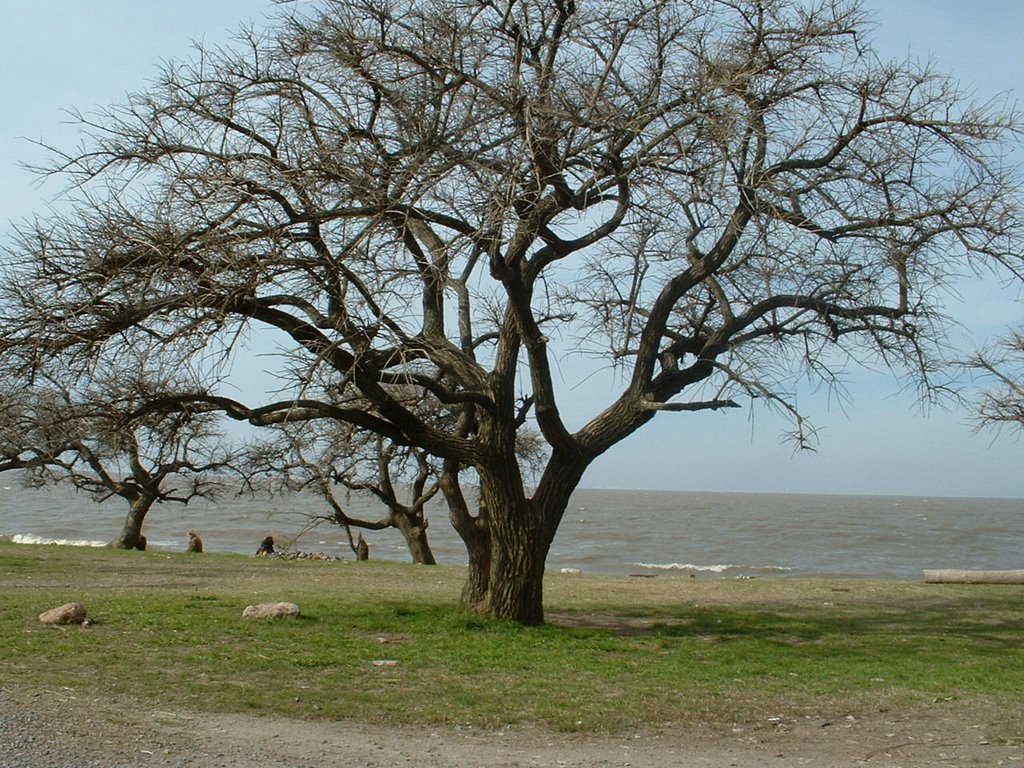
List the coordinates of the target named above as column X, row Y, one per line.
column 92, row 437
column 335, row 460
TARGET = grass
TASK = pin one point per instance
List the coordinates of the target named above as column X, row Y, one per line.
column 387, row 642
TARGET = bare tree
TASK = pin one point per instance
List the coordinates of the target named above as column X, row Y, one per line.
column 706, row 198
column 89, row 437
column 1002, row 364
column 334, row 460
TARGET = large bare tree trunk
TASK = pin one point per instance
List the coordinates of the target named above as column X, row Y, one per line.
column 516, row 590
column 523, row 530
column 519, row 548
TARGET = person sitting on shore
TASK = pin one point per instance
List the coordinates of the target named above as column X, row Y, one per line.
column 266, row 547
column 195, row 544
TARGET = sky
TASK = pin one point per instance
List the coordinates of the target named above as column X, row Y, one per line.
column 56, row 55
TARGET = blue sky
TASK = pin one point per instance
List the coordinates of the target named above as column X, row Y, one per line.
column 59, row 54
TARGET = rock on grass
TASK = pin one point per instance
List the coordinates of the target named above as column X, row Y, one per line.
column 69, row 613
column 271, row 611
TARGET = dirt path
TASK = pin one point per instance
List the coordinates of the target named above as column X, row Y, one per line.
column 57, row 729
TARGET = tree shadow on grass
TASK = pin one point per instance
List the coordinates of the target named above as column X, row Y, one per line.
column 992, row 622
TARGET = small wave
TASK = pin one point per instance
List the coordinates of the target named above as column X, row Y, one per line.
column 710, row 568
column 29, row 538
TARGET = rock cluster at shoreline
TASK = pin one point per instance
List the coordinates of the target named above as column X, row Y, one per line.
column 299, row 556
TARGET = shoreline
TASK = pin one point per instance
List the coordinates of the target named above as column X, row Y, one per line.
column 634, row 571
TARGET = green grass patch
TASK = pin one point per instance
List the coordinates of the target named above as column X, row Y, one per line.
column 387, row 642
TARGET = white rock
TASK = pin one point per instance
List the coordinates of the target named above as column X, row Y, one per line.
column 271, row 611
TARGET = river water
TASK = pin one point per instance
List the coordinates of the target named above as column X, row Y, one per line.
column 603, row 531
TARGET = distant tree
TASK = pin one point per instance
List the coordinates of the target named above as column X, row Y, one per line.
column 708, row 199
column 91, row 439
column 333, row 460
column 1002, row 364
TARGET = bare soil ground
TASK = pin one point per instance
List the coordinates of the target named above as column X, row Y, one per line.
column 50, row 728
